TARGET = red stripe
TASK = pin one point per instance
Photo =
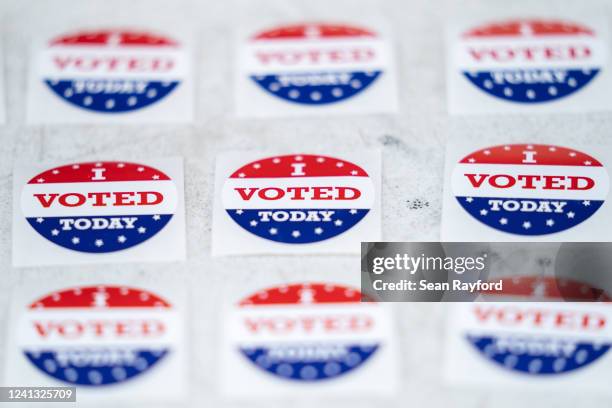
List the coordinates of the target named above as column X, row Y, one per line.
column 300, row 31
column 514, row 28
column 294, row 294
column 85, row 297
column 554, row 288
column 102, row 37
column 561, row 156
column 85, row 173
column 281, row 166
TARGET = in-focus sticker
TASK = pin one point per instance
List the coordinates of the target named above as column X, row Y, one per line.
column 526, row 63
column 294, row 201
column 95, row 209
column 315, row 68
column 110, row 75
column 108, row 340
column 526, row 190
column 515, row 343
column 307, row 334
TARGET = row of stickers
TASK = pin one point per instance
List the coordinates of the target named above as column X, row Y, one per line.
column 497, row 66
column 304, row 339
column 111, row 211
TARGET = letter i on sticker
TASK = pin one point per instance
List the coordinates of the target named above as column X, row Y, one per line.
column 298, row 199
column 99, row 207
column 530, row 189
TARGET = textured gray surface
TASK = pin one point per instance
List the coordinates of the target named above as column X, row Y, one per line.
column 412, row 142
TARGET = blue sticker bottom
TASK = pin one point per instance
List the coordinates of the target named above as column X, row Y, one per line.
column 316, row 88
column 297, row 226
column 309, row 362
column 111, row 95
column 531, row 85
column 99, row 234
column 95, row 366
column 538, row 356
column 533, row 216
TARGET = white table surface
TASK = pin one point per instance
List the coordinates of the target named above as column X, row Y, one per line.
column 412, row 141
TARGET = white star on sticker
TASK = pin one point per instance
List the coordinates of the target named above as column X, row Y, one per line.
column 54, row 232
column 550, row 223
column 295, row 234
column 299, row 158
column 39, row 220
column 339, row 164
column 239, row 212
column 98, row 164
column 75, row 240
column 483, row 212
column 353, row 211
column 256, row 165
column 156, row 177
column 586, row 203
column 318, row 230
column 526, row 225
column 121, row 165
column 572, row 154
column 503, row 221
column 552, row 149
column 587, row 163
column 354, row 172
column 338, row 222
column 471, row 160
column 75, row 166
column 530, row 147
column 99, row 243
column 469, row 199
column 276, row 160
column 273, row 231
column 121, row 239
column 487, row 152
column 241, row 175
column 506, row 148
column 570, row 214
column 156, row 217
column 55, row 172
column 320, row 159
column 142, row 230
column 40, row 180
column 140, row 169
column 253, row 223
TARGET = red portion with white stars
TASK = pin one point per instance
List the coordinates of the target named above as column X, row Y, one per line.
column 525, row 27
column 549, row 287
column 85, row 173
column 113, row 37
column 315, row 166
column 99, row 296
column 545, row 155
column 304, row 293
column 316, row 30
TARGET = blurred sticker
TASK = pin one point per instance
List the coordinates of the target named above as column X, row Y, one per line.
column 285, row 201
column 303, row 335
column 527, row 63
column 525, row 190
column 315, row 68
column 99, row 208
column 110, row 75
column 513, row 343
